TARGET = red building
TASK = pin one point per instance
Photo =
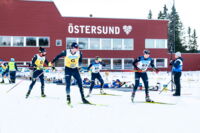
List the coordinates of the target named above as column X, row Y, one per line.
column 27, row 25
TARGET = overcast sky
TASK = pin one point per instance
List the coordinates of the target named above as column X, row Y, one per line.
column 188, row 10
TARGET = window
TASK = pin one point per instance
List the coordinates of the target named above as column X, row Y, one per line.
column 107, row 62
column 106, row 44
column 58, row 42
column 94, row 43
column 155, row 43
column 83, row 43
column 18, row 41
column 128, row 64
column 22, row 41
column 160, row 43
column 149, row 43
column 70, row 41
column 5, row 41
column 117, row 44
column 160, row 63
column 31, row 41
column 117, row 64
column 128, row 44
column 102, row 43
column 43, row 41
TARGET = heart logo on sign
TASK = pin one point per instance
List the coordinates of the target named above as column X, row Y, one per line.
column 127, row 29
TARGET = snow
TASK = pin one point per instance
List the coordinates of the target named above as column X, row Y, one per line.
column 119, row 115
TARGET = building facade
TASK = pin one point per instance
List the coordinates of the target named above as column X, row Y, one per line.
column 27, row 25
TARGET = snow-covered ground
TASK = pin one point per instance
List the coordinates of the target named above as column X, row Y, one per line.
column 118, row 115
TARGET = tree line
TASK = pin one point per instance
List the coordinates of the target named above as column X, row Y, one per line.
column 179, row 39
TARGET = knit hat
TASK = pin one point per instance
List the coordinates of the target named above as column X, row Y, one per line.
column 41, row 50
column 178, row 54
column 12, row 59
column 74, row 45
column 146, row 51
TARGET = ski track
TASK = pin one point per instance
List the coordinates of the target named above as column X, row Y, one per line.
column 52, row 115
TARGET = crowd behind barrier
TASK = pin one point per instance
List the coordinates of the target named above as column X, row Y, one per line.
column 112, row 79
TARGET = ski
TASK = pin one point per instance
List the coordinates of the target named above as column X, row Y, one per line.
column 154, row 102
column 108, row 94
column 94, row 104
column 70, row 105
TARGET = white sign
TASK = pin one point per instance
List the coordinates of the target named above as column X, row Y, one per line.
column 127, row 29
column 91, row 29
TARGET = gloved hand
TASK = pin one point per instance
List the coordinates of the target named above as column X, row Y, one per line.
column 138, row 69
column 171, row 62
column 50, row 64
column 53, row 68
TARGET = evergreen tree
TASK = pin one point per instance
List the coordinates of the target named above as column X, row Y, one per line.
column 177, row 41
column 193, row 45
column 150, row 15
column 175, row 32
column 189, row 32
column 165, row 14
column 160, row 15
column 189, row 41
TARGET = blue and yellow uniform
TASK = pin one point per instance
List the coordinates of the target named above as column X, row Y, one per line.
column 38, row 62
column 72, row 63
column 72, row 60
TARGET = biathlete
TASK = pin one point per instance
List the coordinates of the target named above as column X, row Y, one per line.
column 38, row 70
column 95, row 68
column 72, row 61
column 141, row 65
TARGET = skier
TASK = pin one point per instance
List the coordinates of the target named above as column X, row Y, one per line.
column 73, row 61
column 1, row 69
column 95, row 68
column 38, row 70
column 177, row 67
column 4, row 69
column 141, row 65
column 12, row 68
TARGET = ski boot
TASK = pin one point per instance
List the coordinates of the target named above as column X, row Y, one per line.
column 132, row 97
column 68, row 100
column 102, row 92
column 27, row 94
column 43, row 95
column 147, row 98
column 176, row 94
column 42, row 92
column 85, row 101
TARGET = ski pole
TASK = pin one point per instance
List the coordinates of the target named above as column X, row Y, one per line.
column 14, row 86
column 22, row 81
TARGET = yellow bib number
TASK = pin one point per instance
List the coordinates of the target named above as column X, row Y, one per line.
column 39, row 64
column 72, row 63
